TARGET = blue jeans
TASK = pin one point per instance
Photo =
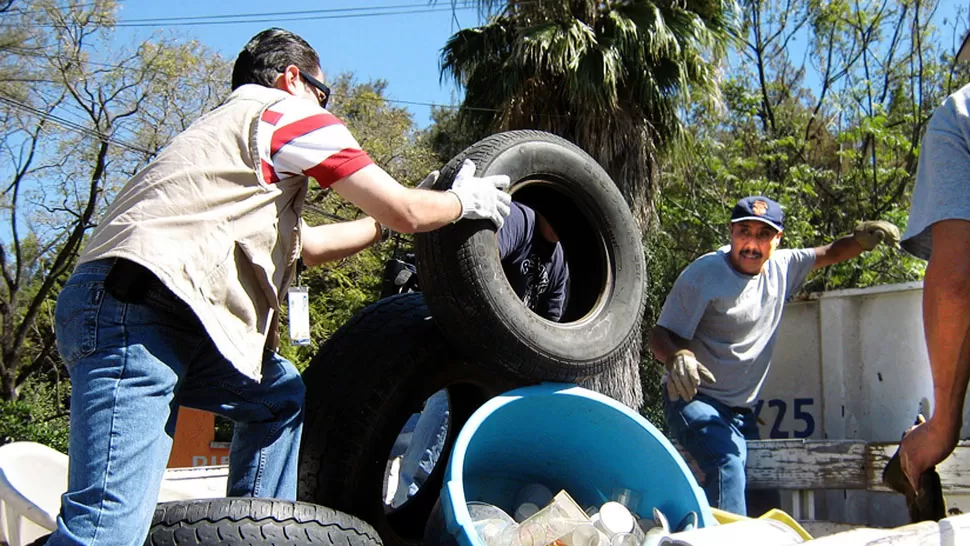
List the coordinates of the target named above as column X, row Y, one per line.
column 714, row 435
column 427, row 442
column 132, row 365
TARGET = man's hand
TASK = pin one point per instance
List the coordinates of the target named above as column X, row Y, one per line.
column 481, row 198
column 684, row 374
column 924, row 446
column 871, row 233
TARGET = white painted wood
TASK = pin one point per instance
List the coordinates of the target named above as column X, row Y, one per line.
column 951, row 531
column 820, row 528
column 954, row 471
column 839, row 464
column 863, row 350
column 922, row 534
column 806, row 464
column 808, row 504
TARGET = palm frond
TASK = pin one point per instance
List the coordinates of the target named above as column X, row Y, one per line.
column 611, row 77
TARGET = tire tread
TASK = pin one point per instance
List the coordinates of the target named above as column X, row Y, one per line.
column 255, row 522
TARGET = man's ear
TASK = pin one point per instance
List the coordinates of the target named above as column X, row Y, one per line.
column 288, row 79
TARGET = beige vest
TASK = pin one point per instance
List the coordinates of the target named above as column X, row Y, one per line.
column 202, row 218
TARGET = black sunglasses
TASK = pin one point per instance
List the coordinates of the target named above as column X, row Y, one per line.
column 320, row 86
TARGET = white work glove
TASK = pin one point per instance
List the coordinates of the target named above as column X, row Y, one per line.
column 481, row 198
column 428, row 181
column 684, row 374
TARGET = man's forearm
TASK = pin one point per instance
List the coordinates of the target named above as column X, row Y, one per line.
column 401, row 209
column 946, row 319
column 837, row 251
column 662, row 344
column 329, row 242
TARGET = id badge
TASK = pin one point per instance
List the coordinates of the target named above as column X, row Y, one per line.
column 298, row 303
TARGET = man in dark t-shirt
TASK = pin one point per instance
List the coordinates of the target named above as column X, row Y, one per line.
column 537, row 271
column 533, row 261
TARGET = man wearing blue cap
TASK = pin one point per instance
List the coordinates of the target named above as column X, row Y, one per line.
column 717, row 330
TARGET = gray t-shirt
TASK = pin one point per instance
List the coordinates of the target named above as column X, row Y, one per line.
column 942, row 189
column 730, row 320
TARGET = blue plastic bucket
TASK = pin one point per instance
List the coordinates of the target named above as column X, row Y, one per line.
column 565, row 437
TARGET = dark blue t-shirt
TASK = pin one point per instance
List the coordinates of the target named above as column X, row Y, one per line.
column 534, row 266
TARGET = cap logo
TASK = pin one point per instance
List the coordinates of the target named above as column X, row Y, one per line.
column 759, row 207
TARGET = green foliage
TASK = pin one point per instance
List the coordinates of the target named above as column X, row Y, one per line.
column 449, row 134
column 77, row 121
column 837, row 151
column 611, row 77
column 39, row 415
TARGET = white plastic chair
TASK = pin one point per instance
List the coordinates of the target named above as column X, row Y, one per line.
column 32, row 479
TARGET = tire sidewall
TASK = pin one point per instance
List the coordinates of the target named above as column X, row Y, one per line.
column 619, row 308
column 361, row 389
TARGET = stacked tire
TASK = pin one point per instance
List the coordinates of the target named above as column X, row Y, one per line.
column 468, row 332
column 252, row 522
column 255, row 522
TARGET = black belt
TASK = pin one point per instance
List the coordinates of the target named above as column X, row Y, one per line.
column 128, row 282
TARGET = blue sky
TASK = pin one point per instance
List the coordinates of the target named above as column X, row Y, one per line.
column 401, row 48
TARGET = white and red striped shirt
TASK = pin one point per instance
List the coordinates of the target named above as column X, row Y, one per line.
column 296, row 137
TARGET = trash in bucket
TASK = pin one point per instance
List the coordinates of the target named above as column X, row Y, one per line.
column 565, row 438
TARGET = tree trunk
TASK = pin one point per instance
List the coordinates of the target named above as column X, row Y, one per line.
column 8, row 385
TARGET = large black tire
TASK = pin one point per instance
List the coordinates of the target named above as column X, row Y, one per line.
column 255, row 522
column 362, row 386
column 463, row 280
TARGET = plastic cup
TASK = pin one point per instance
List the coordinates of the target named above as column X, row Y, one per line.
column 614, row 518
column 627, row 497
column 586, row 535
column 491, row 523
column 525, row 511
column 553, row 523
column 536, row 493
column 624, row 539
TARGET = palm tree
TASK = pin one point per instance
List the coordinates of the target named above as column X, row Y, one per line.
column 610, row 75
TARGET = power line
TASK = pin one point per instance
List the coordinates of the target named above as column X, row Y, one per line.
column 432, row 104
column 360, row 9
column 284, row 19
column 39, row 55
column 69, row 7
column 27, row 53
column 67, row 124
column 373, row 11
column 331, row 13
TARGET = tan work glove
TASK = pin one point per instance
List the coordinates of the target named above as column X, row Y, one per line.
column 684, row 374
column 871, row 233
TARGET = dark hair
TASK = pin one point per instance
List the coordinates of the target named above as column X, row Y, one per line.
column 269, row 53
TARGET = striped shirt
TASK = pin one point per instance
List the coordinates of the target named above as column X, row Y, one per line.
column 296, row 137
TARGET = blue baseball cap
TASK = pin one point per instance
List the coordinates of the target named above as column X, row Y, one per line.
column 760, row 209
